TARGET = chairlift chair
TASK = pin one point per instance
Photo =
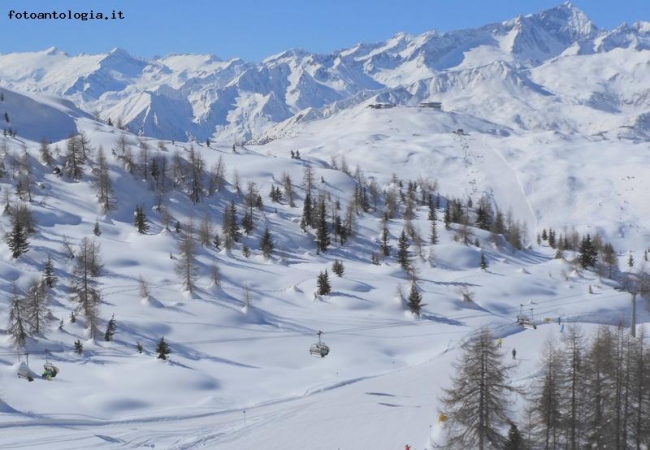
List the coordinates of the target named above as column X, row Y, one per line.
column 526, row 322
column 49, row 370
column 24, row 372
column 319, row 350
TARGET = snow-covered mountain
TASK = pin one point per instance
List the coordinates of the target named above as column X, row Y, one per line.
column 556, row 60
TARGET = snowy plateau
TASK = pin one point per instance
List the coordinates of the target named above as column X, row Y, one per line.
column 545, row 118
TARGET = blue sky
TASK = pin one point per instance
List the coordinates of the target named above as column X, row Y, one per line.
column 255, row 29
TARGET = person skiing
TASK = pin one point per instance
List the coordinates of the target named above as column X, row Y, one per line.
column 514, row 354
column 500, row 342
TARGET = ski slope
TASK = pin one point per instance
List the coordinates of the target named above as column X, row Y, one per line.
column 240, row 375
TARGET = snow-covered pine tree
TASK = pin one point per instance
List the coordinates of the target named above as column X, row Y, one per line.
column 163, row 349
column 414, row 301
column 402, row 251
column 17, row 238
column 49, row 277
column 322, row 234
column 337, row 268
column 484, row 263
column 140, row 221
column 588, row 253
column 323, row 283
column 266, row 243
column 111, row 327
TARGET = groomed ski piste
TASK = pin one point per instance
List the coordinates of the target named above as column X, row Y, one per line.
column 240, row 375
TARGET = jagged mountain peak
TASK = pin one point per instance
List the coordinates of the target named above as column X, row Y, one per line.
column 293, row 53
column 544, row 35
column 567, row 20
column 54, row 51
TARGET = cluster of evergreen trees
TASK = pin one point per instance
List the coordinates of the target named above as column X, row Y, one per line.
column 591, row 251
column 590, row 393
column 322, row 216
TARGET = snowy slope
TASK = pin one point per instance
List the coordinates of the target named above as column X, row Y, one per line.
column 241, row 376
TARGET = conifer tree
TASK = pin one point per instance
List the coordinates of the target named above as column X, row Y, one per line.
column 275, row 194
column 323, row 283
column 266, row 243
column 49, row 277
column 434, row 233
column 608, row 257
column 205, row 230
column 197, row 168
column 186, row 266
column 305, row 220
column 111, row 326
column 36, row 305
column 74, row 158
column 247, row 221
column 96, row 230
column 337, row 268
column 163, row 349
column 216, row 241
column 78, row 347
column 414, row 301
column 103, row 184
column 46, row 153
column 140, row 221
column 515, row 440
column 288, row 189
column 432, row 209
column 573, row 382
column 499, row 226
column 84, row 290
column 545, row 400
column 323, row 235
column 17, row 238
column 230, row 225
column 18, row 326
column 588, row 253
column 484, row 263
column 384, row 245
column 477, row 404
column 484, row 214
column 402, row 252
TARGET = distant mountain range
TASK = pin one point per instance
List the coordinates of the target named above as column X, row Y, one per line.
column 585, row 79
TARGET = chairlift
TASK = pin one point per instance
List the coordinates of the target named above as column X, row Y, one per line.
column 319, row 350
column 526, row 321
column 24, row 372
column 49, row 370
